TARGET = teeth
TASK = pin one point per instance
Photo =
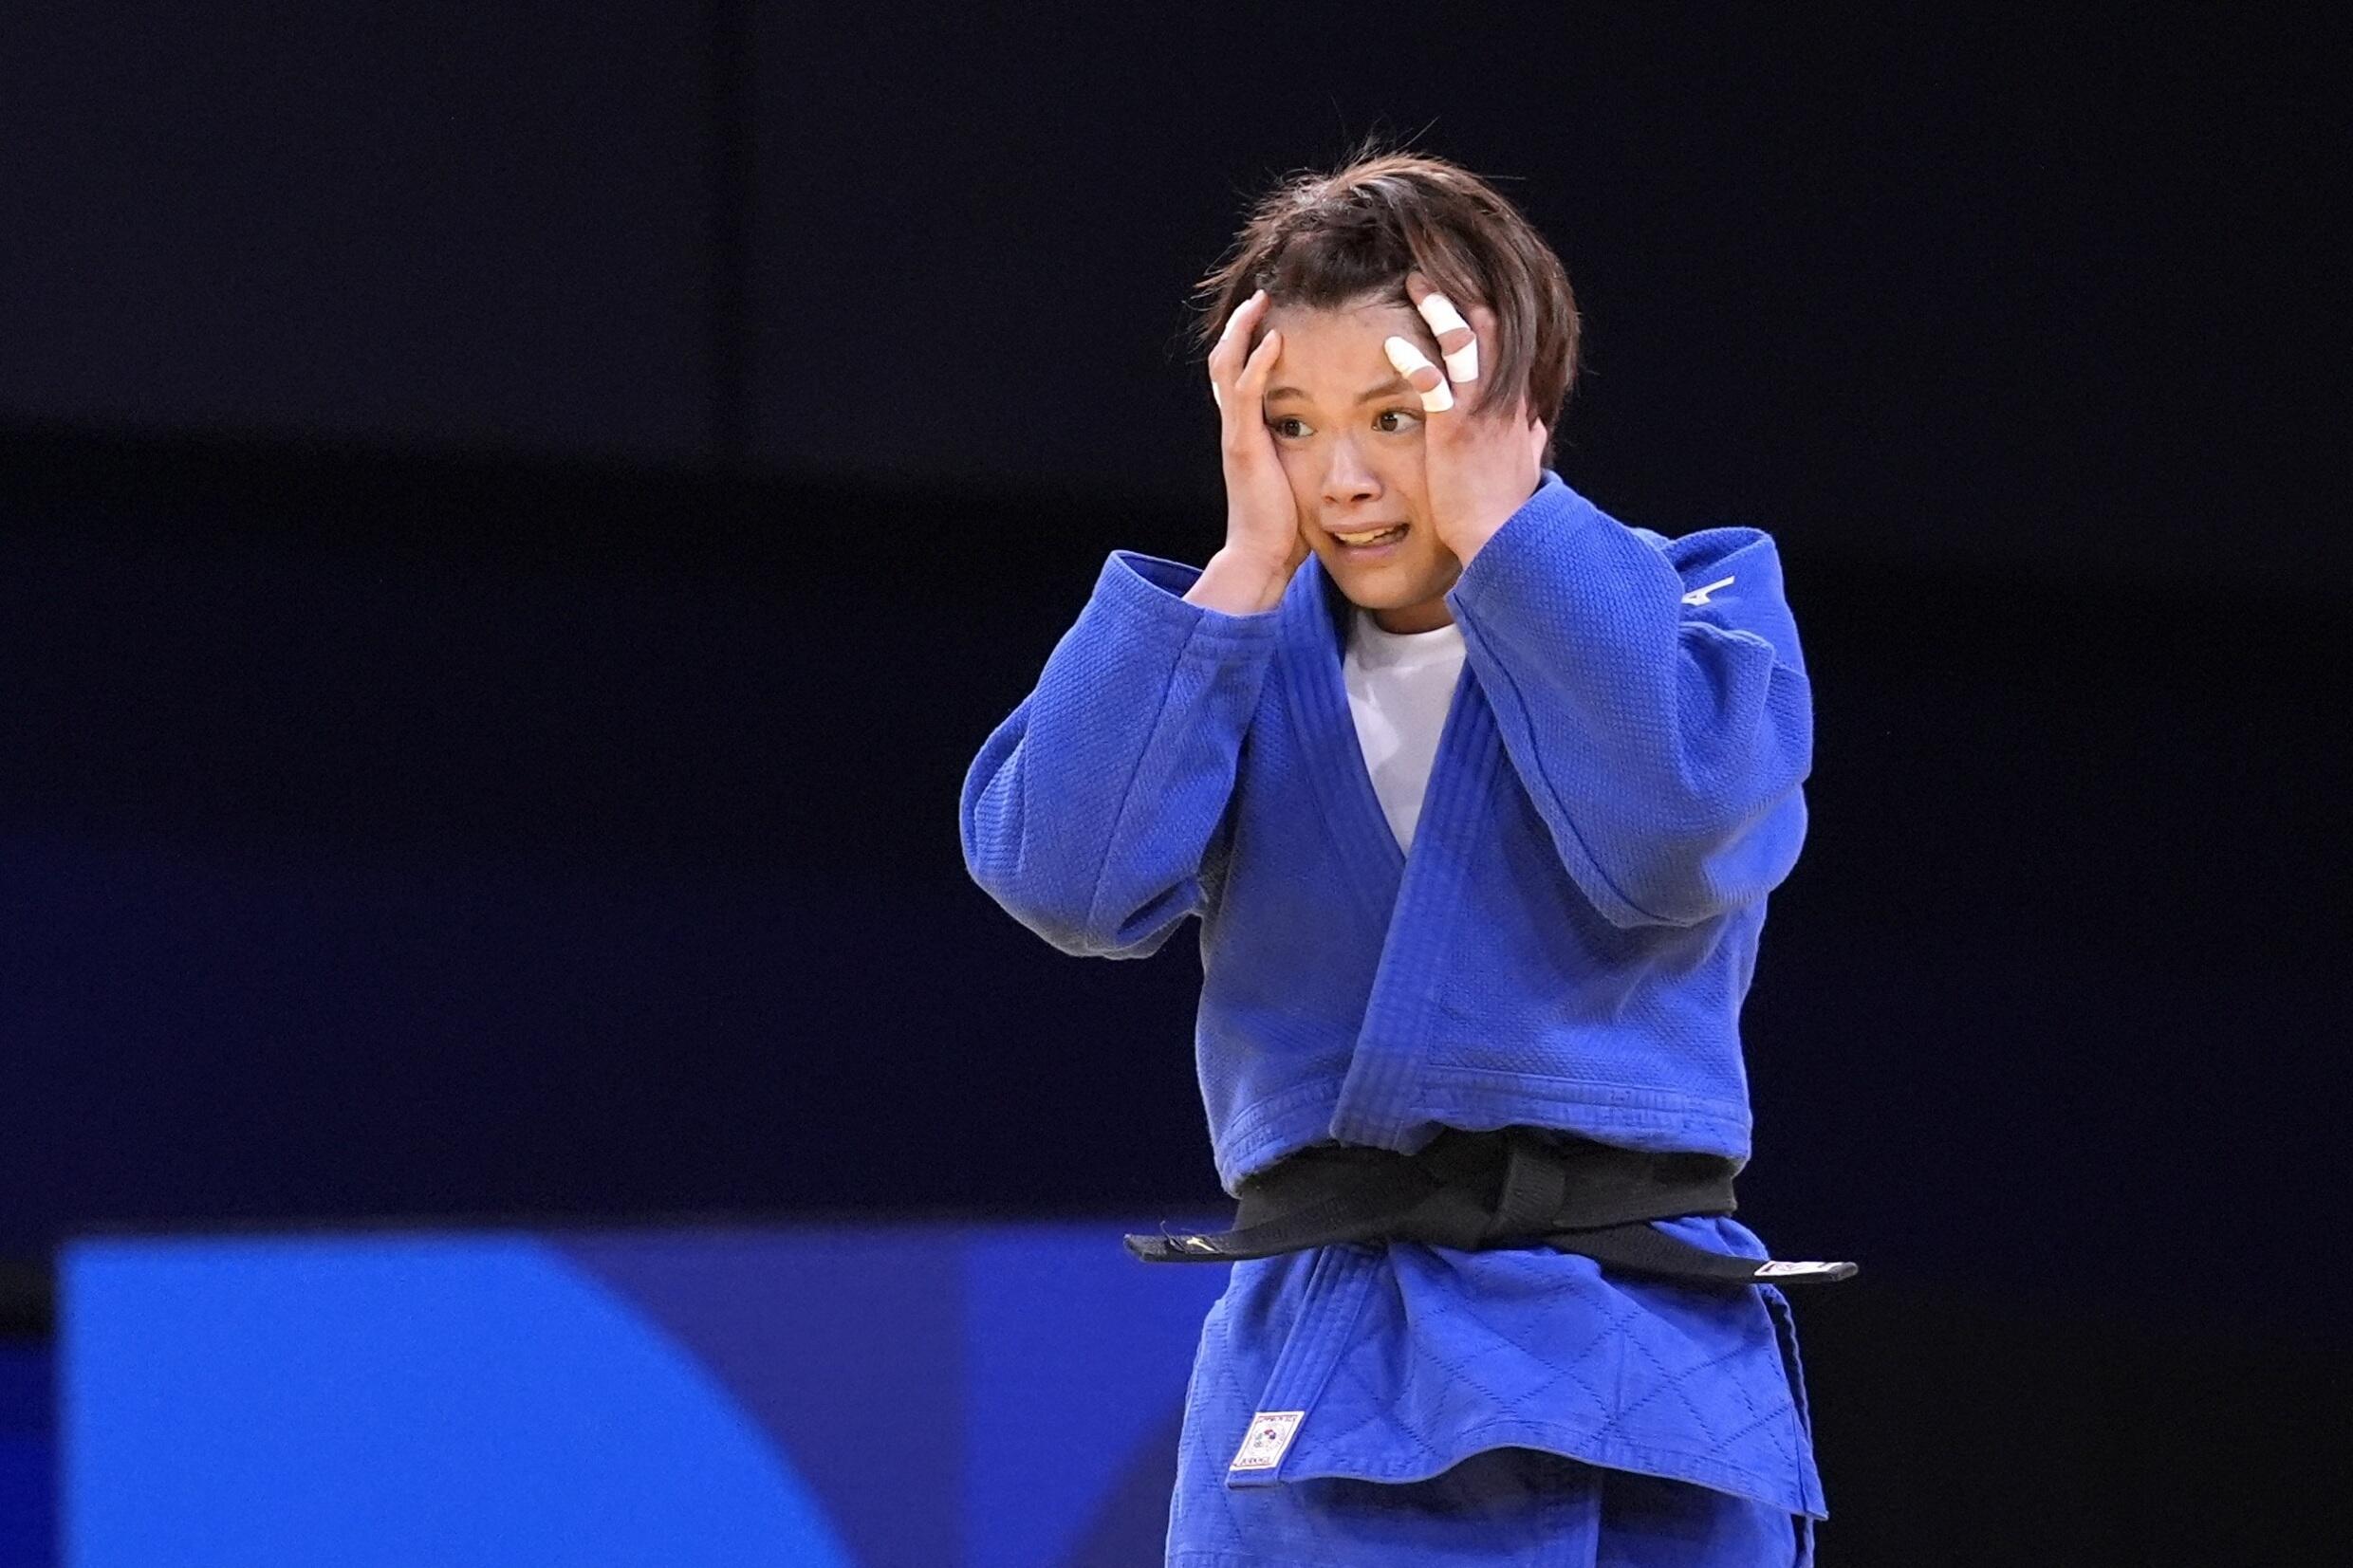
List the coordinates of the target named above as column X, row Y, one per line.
column 1370, row 534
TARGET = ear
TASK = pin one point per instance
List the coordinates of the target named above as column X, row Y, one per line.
column 1538, row 434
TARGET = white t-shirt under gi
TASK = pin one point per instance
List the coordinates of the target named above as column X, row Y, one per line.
column 1400, row 686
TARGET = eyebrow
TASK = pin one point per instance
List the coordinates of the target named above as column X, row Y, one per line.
column 1394, row 386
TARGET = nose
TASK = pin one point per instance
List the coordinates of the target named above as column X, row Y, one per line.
column 1348, row 478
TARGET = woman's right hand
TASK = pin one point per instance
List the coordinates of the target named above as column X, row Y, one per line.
column 1265, row 543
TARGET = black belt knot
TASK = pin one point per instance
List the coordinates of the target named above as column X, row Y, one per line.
column 1517, row 1186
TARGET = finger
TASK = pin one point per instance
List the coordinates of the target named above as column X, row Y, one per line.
column 1244, row 409
column 1241, row 313
column 1487, row 330
column 1252, row 383
column 1420, row 374
column 1237, row 327
column 1225, row 356
column 1458, row 341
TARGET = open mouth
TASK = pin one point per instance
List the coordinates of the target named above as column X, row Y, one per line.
column 1371, row 539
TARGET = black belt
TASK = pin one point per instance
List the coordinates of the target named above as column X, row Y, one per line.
column 1519, row 1187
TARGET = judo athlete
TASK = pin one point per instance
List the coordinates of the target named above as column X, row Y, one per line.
column 1478, row 795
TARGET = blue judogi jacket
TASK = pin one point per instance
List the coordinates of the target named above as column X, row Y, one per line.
column 1616, row 792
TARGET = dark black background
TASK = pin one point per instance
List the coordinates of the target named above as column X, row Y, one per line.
column 513, row 524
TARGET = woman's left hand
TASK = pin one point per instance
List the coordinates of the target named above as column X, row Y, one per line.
column 1480, row 464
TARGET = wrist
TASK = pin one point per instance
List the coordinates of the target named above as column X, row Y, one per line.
column 1466, row 545
column 1239, row 584
column 1473, row 538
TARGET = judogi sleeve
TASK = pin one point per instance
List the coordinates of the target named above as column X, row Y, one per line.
column 1090, row 811
column 1654, row 702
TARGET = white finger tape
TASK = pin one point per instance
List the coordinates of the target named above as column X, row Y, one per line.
column 1407, row 358
column 1441, row 313
column 1463, row 363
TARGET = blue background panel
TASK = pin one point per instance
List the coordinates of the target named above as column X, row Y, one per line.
column 830, row 1398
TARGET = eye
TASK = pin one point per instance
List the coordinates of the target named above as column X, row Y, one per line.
column 1395, row 414
column 1276, row 426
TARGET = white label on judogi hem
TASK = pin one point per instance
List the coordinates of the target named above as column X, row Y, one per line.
column 1767, row 1271
column 1270, row 1435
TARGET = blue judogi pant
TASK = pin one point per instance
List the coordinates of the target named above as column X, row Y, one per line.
column 1500, row 1508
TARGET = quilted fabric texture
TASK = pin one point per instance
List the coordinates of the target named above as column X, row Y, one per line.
column 1502, row 1509
column 1615, row 792
column 1444, row 1495
column 1439, row 1353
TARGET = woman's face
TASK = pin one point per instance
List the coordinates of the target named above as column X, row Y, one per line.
column 1349, row 431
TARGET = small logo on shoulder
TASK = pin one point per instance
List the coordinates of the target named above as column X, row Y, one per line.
column 1699, row 596
column 1268, row 1438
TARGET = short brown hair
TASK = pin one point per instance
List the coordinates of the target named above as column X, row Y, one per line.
column 1323, row 240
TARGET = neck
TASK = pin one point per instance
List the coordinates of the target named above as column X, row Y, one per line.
column 1426, row 617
